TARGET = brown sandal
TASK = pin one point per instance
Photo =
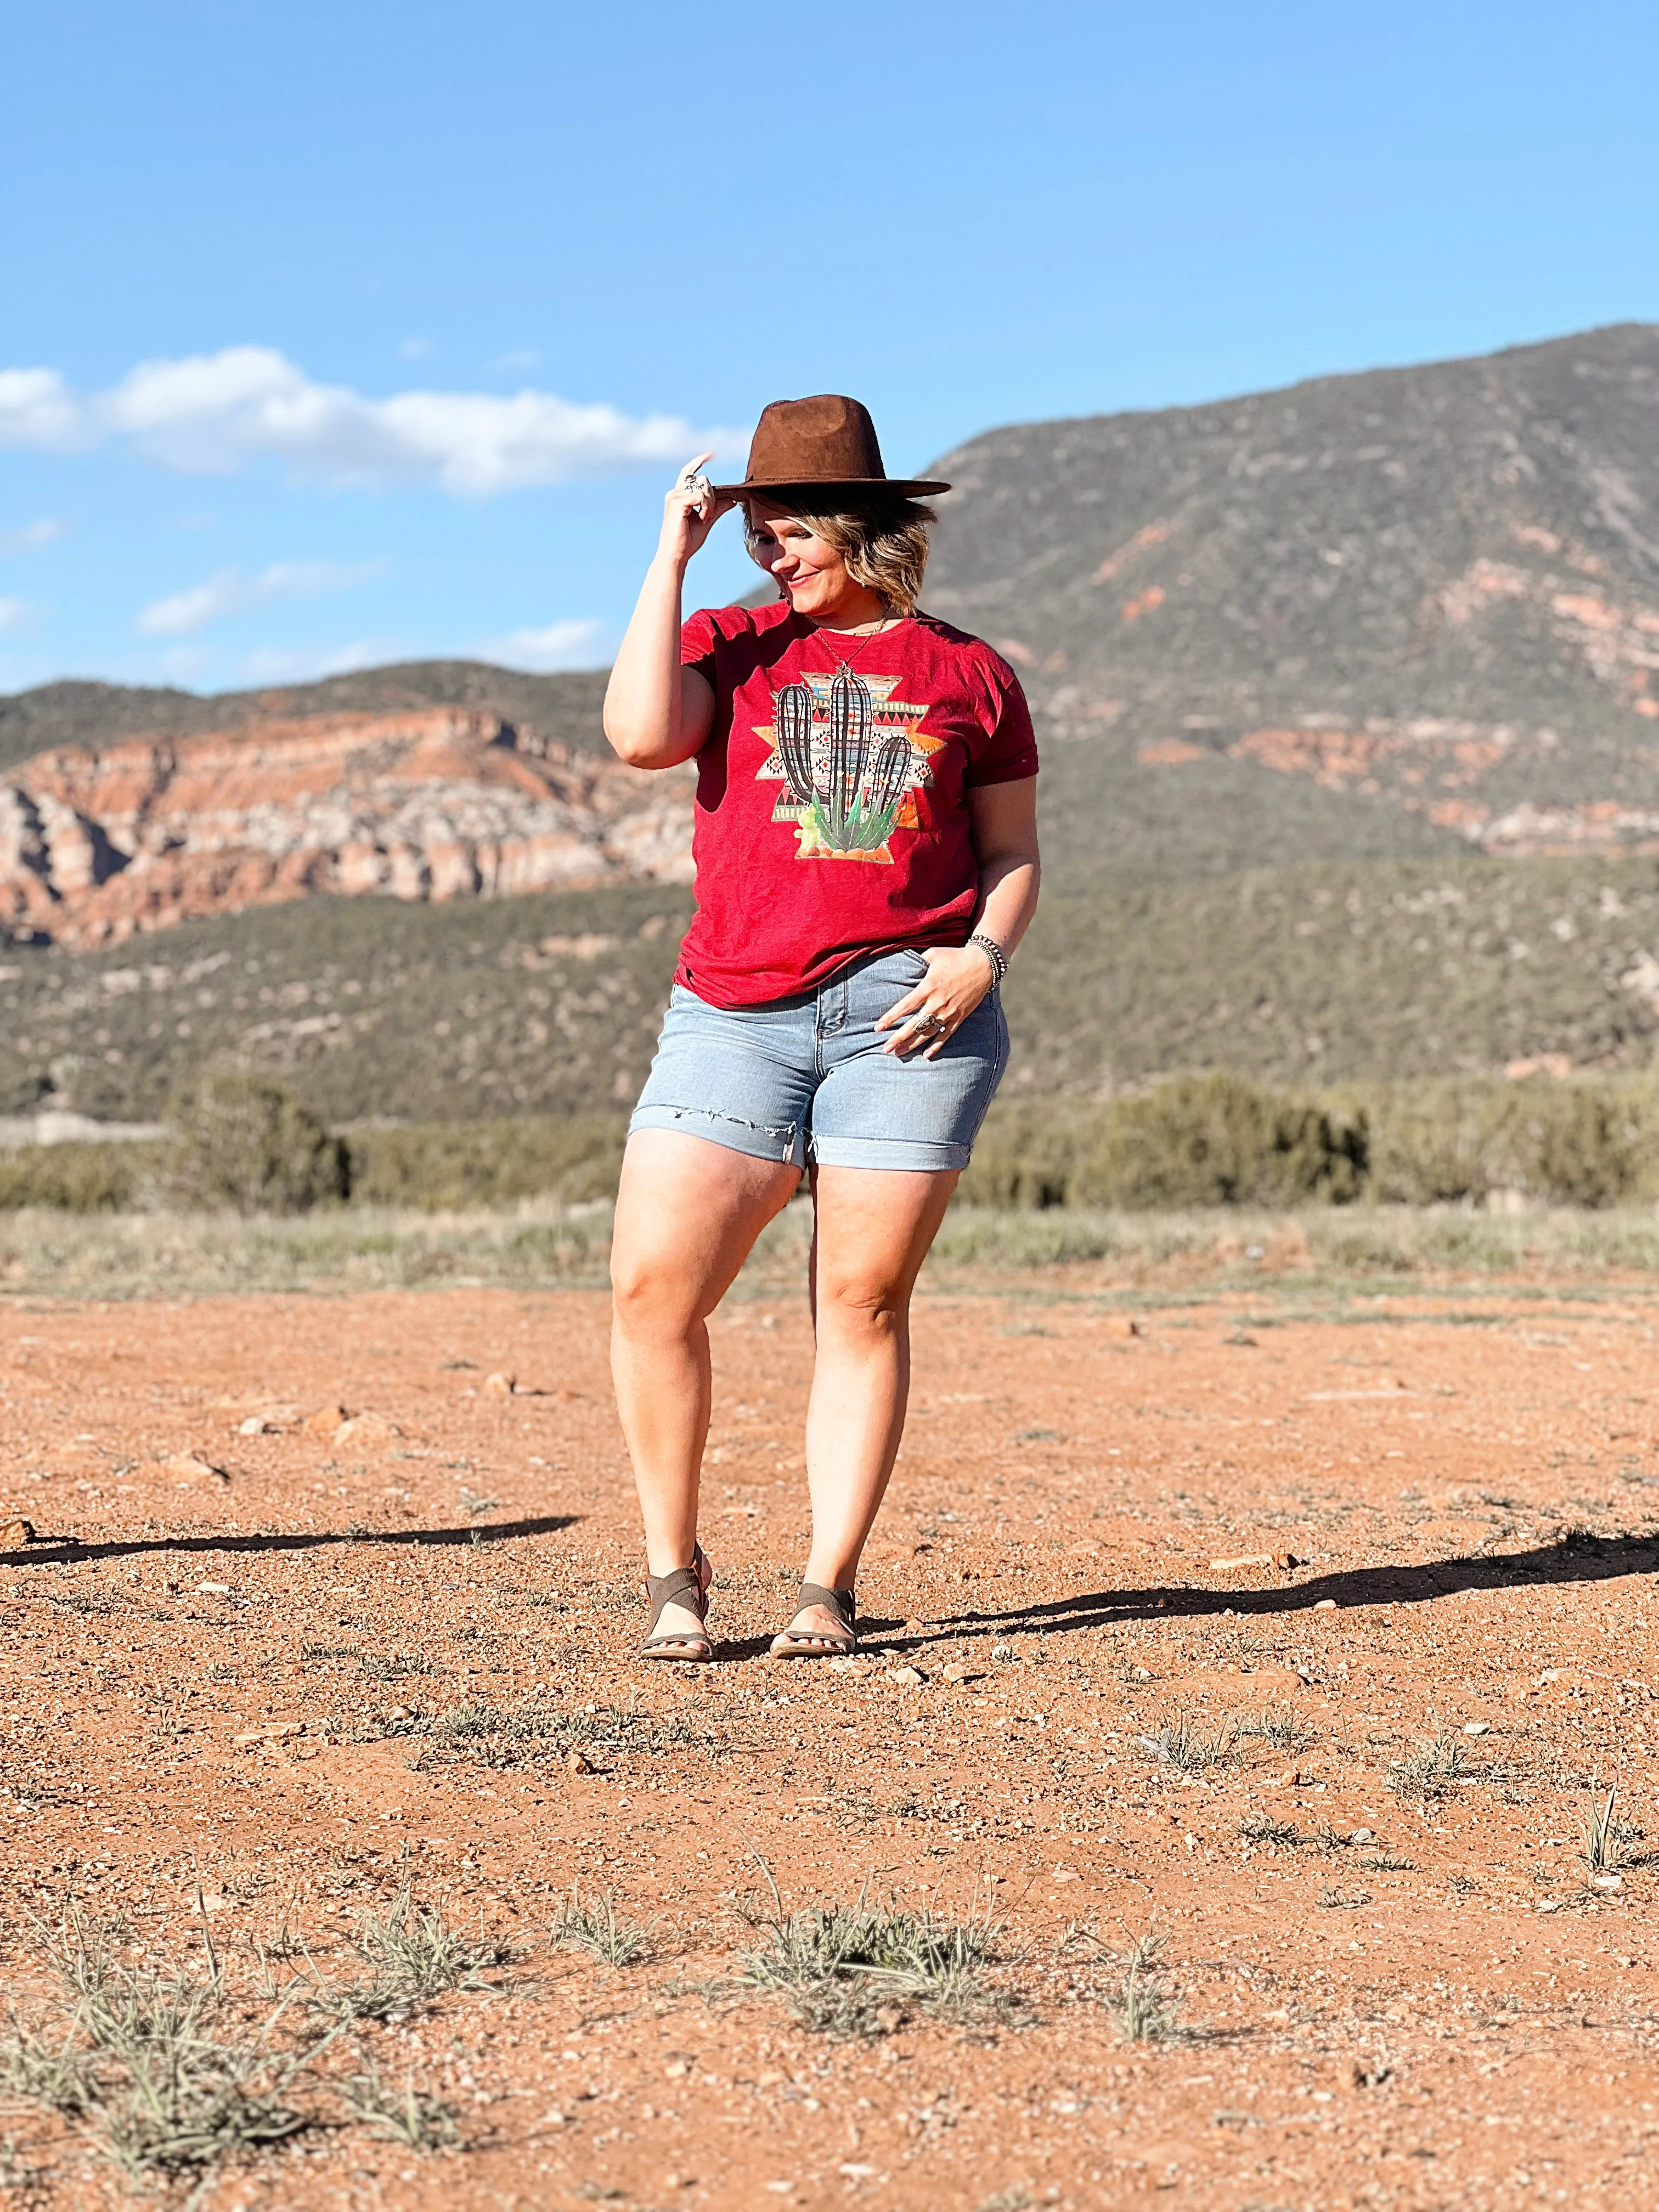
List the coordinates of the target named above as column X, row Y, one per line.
column 821, row 1643
column 688, row 1586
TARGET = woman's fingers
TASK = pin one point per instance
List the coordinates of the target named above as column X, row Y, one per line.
column 928, row 1025
column 911, row 1003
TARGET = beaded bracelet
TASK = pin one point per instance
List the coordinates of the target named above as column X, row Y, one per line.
column 994, row 952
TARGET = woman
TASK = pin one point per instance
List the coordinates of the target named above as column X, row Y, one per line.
column 866, row 856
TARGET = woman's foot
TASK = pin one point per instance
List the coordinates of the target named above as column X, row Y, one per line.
column 679, row 1607
column 825, row 1625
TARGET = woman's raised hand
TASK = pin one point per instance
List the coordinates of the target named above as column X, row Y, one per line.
column 690, row 512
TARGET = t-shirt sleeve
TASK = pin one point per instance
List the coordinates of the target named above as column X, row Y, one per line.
column 698, row 639
column 1009, row 754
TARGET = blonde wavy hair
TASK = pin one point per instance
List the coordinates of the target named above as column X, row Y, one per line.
column 884, row 544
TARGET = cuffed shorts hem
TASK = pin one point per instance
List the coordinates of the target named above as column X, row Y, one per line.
column 914, row 1153
column 785, row 1143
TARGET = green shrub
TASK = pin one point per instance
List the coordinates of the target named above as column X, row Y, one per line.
column 247, row 1143
column 1571, row 1142
column 443, row 1165
column 1216, row 1141
column 90, row 1178
column 1028, row 1151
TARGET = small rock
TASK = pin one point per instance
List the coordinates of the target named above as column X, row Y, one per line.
column 958, row 1671
column 677, row 2069
column 908, row 1675
column 1606, row 1881
column 889, row 2020
column 366, row 1430
column 272, row 1732
column 1326, row 1605
column 255, row 1425
column 213, row 1590
column 1124, row 1325
column 914, row 1628
column 1362, row 1836
column 1286, row 1559
column 578, row 1762
column 13, row 1532
column 184, row 1468
column 500, row 1386
column 325, row 1420
column 1477, row 1728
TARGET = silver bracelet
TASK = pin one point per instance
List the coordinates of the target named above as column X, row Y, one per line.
column 994, row 953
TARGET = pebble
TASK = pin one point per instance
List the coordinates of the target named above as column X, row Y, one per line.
column 1326, row 1605
column 1124, row 1325
column 1362, row 1836
column 578, row 1762
column 364, row 1428
column 186, row 1468
column 256, row 1426
column 13, row 1532
column 908, row 1675
column 1477, row 1728
column 958, row 1671
column 499, row 1385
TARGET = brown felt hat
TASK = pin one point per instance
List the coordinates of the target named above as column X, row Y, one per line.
column 823, row 444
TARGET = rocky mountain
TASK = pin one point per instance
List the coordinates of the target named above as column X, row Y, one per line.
column 563, row 707
column 1435, row 588
column 435, row 803
column 1349, row 700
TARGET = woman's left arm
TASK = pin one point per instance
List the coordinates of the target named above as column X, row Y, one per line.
column 1003, row 820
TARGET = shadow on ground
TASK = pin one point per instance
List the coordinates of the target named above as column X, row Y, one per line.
column 65, row 1550
column 1577, row 1559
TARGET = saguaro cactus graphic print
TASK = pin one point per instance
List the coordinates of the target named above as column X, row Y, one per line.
column 849, row 777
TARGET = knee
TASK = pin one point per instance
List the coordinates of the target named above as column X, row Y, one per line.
column 650, row 1298
column 862, row 1304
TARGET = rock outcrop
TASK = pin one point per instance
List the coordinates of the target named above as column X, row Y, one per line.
column 440, row 803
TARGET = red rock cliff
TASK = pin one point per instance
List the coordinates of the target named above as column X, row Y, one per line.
column 442, row 803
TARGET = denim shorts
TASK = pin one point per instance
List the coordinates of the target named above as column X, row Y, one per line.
column 805, row 1079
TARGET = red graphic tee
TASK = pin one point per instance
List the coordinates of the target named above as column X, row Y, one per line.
column 832, row 794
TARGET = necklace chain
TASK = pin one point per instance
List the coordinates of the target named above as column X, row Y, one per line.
column 847, row 659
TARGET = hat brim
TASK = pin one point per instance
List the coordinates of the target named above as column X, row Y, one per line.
column 896, row 487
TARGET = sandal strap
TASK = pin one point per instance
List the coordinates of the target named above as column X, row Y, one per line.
column 843, row 1604
column 681, row 1586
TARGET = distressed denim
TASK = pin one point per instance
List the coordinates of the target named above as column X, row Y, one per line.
column 805, row 1079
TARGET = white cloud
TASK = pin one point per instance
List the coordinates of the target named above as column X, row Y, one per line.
column 211, row 414
column 37, row 408
column 30, row 537
column 232, row 592
column 306, row 663
column 571, row 644
column 14, row 613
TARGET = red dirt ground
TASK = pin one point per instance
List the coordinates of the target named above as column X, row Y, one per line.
column 1447, row 2013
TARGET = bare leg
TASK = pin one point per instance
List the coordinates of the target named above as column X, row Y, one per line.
column 687, row 1212
column 874, row 1228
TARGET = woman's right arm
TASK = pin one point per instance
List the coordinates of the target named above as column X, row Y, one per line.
column 656, row 711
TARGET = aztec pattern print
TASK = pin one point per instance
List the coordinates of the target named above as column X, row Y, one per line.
column 851, row 759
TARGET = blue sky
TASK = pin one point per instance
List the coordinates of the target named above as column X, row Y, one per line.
column 332, row 335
